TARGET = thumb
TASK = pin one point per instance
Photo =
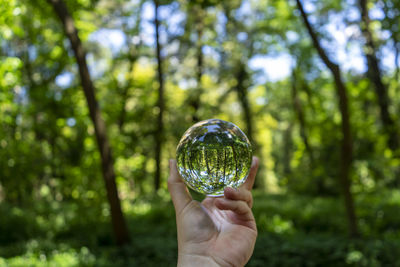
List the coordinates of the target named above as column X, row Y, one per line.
column 179, row 193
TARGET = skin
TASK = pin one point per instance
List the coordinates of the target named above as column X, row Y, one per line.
column 218, row 231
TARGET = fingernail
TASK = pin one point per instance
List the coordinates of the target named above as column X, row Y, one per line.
column 231, row 189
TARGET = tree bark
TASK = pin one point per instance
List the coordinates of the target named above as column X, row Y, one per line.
column 287, row 149
column 346, row 149
column 241, row 90
column 301, row 118
column 375, row 75
column 242, row 94
column 119, row 226
column 200, row 59
column 393, row 24
column 160, row 102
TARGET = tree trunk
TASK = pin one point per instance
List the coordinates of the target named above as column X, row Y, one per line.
column 301, row 118
column 118, row 221
column 133, row 55
column 125, row 94
column 122, row 114
column 241, row 90
column 346, row 149
column 242, row 94
column 287, row 149
column 393, row 22
column 160, row 103
column 298, row 110
column 374, row 74
column 200, row 58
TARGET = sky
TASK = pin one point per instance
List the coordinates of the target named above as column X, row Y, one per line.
column 271, row 68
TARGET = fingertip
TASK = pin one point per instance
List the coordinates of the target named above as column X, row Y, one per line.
column 228, row 189
column 252, row 173
column 172, row 163
column 173, row 170
column 229, row 192
column 255, row 161
column 178, row 190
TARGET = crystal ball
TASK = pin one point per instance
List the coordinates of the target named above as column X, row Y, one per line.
column 212, row 155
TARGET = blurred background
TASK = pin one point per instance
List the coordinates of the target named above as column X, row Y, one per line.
column 95, row 95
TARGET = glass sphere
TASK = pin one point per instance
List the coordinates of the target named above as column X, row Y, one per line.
column 212, row 155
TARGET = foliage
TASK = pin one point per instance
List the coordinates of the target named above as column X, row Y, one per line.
column 293, row 230
column 221, row 60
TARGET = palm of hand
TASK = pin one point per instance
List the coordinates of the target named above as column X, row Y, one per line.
column 223, row 235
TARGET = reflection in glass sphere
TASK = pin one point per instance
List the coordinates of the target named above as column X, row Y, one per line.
column 212, row 155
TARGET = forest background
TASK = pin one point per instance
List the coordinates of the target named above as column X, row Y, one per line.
column 95, row 95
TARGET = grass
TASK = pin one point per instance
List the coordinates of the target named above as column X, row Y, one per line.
column 293, row 231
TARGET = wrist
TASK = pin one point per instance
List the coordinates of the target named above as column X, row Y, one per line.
column 185, row 260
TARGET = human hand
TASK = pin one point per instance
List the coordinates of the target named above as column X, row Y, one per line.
column 217, row 231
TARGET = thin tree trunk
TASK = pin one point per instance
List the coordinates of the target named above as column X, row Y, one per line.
column 132, row 56
column 200, row 58
column 241, row 90
column 235, row 160
column 160, row 103
column 301, row 118
column 287, row 148
column 346, row 149
column 298, row 109
column 242, row 93
column 305, row 86
column 122, row 114
column 396, row 44
column 224, row 169
column 396, row 58
column 375, row 75
column 125, row 95
column 119, row 226
column 396, row 47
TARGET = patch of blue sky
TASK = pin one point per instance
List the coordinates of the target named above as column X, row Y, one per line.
column 244, row 12
column 114, row 39
column 71, row 122
column 387, row 58
column 376, row 13
column 147, row 26
column 273, row 68
column 221, row 21
column 21, row 95
column 242, row 36
column 97, row 66
column 309, row 7
column 352, row 13
column 292, row 36
column 64, row 80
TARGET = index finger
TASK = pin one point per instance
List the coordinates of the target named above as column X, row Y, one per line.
column 252, row 174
